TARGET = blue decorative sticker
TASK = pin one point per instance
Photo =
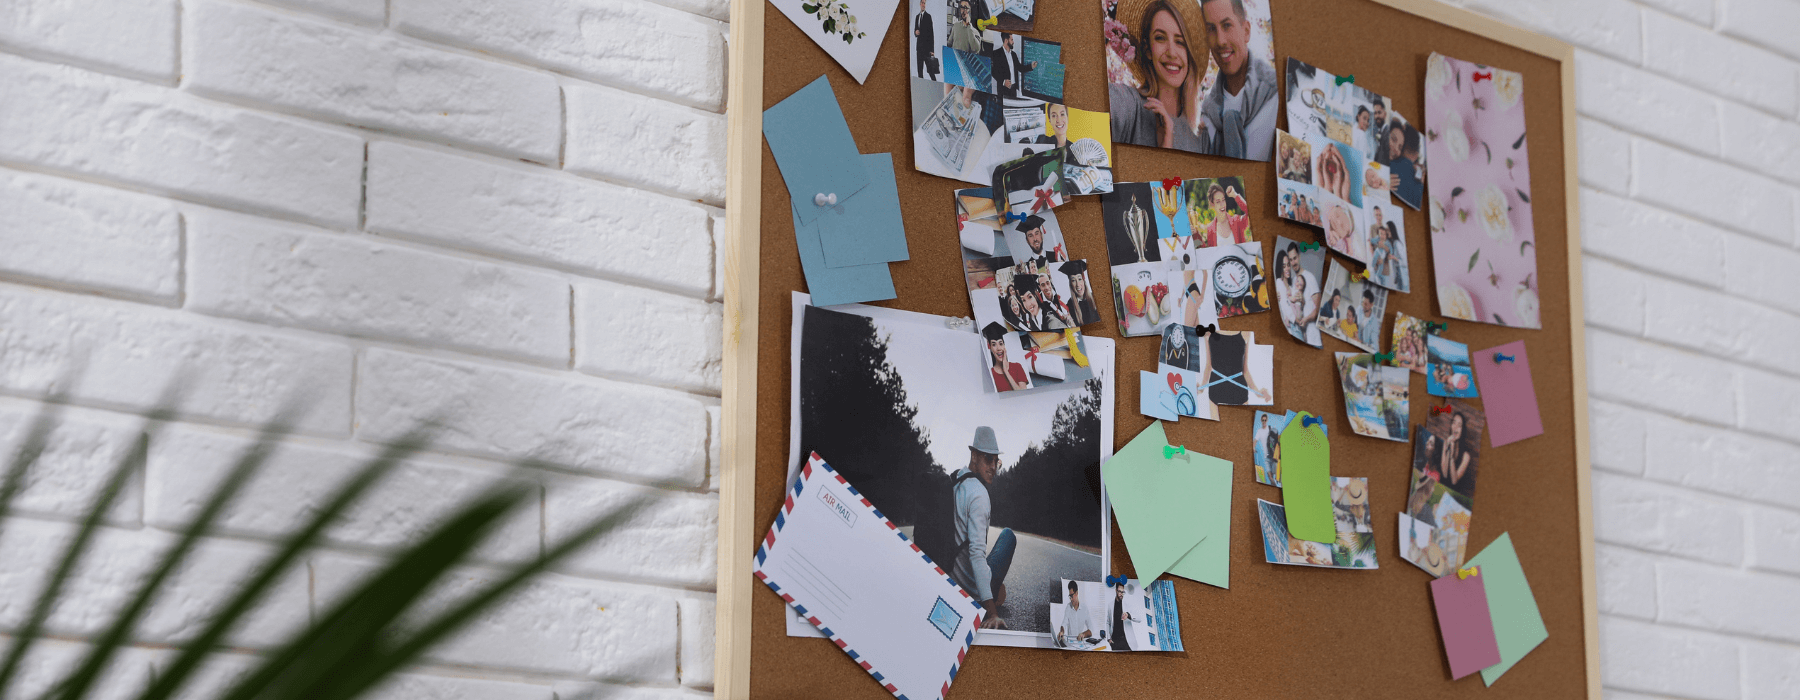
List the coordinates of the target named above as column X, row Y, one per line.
column 945, row 618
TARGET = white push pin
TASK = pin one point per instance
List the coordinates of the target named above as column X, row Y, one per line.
column 825, row 200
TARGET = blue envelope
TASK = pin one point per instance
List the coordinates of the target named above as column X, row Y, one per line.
column 814, row 149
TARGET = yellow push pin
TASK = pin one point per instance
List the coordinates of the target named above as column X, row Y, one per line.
column 1466, row 573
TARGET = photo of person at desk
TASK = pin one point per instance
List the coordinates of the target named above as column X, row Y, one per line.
column 1078, row 627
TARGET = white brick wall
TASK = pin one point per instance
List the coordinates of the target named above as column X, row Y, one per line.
column 1690, row 173
column 508, row 222
column 395, row 211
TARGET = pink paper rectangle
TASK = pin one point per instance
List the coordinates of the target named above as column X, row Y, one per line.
column 1463, row 620
column 1507, row 393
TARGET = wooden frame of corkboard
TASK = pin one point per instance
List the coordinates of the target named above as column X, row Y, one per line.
column 1279, row 631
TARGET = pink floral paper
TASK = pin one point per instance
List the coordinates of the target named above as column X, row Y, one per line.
column 1482, row 241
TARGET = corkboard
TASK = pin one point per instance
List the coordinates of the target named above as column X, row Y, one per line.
column 1279, row 631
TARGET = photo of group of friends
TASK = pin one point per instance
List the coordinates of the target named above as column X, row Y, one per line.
column 1354, row 544
column 1377, row 396
column 1265, row 446
column 1352, row 308
column 1182, row 252
column 1434, row 529
column 1298, row 295
column 1192, row 75
column 1483, row 244
column 1206, row 370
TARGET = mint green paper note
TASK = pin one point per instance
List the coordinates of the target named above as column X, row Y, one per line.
column 1210, row 561
column 1157, row 501
column 1306, row 479
column 1518, row 626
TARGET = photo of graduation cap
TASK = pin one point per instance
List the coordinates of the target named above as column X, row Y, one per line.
column 1025, row 282
column 1031, row 222
column 1073, row 267
column 993, row 331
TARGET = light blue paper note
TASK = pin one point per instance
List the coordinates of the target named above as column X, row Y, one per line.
column 814, row 149
column 866, row 228
column 830, row 286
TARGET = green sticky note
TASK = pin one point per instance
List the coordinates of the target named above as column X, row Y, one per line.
column 1518, row 627
column 1306, row 479
column 1210, row 561
column 1165, row 507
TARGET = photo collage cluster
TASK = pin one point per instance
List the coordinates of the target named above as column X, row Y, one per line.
column 1344, row 161
column 1434, row 529
column 993, row 475
column 1353, row 543
column 987, row 106
column 1182, row 253
column 1029, row 299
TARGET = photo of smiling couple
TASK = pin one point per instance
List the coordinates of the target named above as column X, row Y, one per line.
column 1193, row 75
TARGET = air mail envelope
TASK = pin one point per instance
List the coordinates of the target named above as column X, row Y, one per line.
column 851, row 573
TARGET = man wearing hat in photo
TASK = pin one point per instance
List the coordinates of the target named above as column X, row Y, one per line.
column 979, row 568
column 1007, row 376
column 1082, row 309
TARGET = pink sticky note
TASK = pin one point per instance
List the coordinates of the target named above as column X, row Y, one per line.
column 1507, row 394
column 1468, row 630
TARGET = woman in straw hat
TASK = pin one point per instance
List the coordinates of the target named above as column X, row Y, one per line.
column 1165, row 110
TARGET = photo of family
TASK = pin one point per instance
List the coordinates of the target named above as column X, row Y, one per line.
column 1450, row 374
column 1192, row 75
column 1409, row 343
column 1351, row 550
column 1352, row 309
column 1377, row 397
column 1298, row 203
column 1484, row 250
column 1297, row 290
column 895, row 397
column 1387, row 246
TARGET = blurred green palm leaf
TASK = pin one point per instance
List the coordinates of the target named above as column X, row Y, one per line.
column 366, row 637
